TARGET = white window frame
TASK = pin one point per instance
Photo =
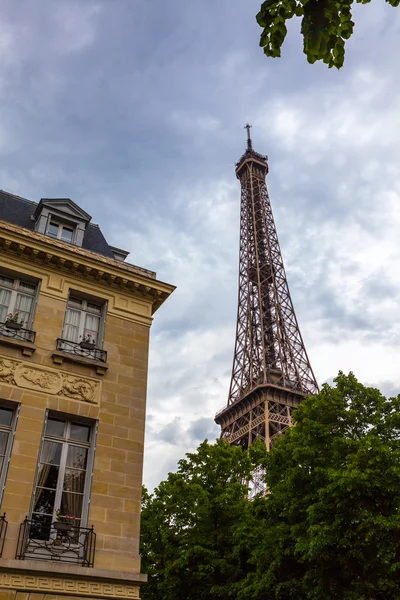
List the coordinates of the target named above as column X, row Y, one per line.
column 85, row 310
column 15, row 291
column 66, row 442
column 60, row 225
column 10, row 429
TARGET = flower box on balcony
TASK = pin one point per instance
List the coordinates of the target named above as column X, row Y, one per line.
column 13, row 325
column 59, row 526
column 87, row 345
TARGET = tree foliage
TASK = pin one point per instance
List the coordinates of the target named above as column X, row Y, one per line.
column 326, row 25
column 328, row 529
column 194, row 524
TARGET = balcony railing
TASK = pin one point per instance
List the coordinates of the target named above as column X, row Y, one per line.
column 57, row 542
column 82, row 350
column 15, row 332
column 3, row 532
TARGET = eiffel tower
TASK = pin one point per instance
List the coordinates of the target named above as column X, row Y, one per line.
column 271, row 371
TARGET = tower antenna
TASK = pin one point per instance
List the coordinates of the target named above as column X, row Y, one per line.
column 249, row 142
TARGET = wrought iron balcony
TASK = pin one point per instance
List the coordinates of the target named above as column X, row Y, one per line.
column 3, row 532
column 14, row 331
column 60, row 542
column 82, row 349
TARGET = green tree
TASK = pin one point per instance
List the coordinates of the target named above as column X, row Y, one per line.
column 330, row 525
column 195, row 526
column 328, row 529
column 325, row 27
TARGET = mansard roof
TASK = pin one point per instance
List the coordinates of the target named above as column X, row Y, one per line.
column 22, row 212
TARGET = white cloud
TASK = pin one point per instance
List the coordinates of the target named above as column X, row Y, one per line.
column 136, row 111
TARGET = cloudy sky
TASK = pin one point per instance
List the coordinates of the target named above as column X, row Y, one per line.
column 135, row 110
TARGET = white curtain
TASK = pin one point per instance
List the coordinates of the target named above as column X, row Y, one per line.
column 23, row 307
column 5, row 296
column 51, row 452
column 71, row 325
column 92, row 325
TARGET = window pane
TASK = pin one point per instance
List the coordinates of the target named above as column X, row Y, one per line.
column 6, row 415
column 92, row 325
column 51, row 453
column 77, row 457
column 71, row 325
column 28, row 288
column 1, row 463
column 48, row 476
column 74, row 480
column 6, row 281
column 40, row 527
column 66, row 234
column 94, row 308
column 52, row 229
column 5, row 297
column 23, row 303
column 76, row 302
column 55, row 427
column 23, row 306
column 71, row 504
column 80, row 432
column 3, row 442
column 44, row 501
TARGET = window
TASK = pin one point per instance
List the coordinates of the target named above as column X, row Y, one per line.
column 83, row 321
column 8, row 421
column 64, row 473
column 60, row 231
column 17, row 296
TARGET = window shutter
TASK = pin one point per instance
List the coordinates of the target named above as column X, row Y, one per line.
column 88, row 498
column 10, row 444
column 103, row 323
column 46, row 416
column 34, row 305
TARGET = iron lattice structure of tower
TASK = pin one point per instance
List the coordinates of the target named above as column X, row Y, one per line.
column 271, row 371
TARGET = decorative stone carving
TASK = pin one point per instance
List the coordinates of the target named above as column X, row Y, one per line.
column 68, row 586
column 38, row 379
column 7, row 368
column 79, row 389
column 49, row 381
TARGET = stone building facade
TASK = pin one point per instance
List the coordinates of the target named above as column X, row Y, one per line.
column 74, row 340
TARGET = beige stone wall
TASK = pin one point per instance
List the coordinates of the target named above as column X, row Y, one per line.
column 119, row 407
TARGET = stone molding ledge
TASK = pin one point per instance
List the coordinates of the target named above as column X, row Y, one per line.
column 59, row 356
column 27, row 348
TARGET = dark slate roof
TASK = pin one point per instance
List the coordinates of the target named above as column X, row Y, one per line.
column 95, row 241
column 19, row 211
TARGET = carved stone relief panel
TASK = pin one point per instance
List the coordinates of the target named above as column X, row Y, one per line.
column 49, row 381
column 37, row 378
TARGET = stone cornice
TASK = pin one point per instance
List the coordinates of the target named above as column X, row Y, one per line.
column 61, row 256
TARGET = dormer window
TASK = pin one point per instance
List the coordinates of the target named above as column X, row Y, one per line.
column 61, row 219
column 60, row 231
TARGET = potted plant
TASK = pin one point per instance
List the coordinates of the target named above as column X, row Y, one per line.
column 64, row 522
column 87, row 343
column 13, row 321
